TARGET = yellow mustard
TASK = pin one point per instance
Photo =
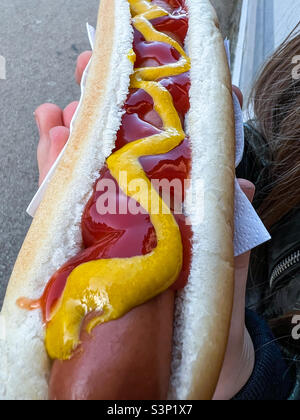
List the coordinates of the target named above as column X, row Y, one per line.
column 112, row 287
column 131, row 56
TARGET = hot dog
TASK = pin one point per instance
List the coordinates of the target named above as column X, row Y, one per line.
column 157, row 106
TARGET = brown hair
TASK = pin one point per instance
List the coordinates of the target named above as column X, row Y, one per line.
column 276, row 103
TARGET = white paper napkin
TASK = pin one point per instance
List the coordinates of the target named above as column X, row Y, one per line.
column 249, row 229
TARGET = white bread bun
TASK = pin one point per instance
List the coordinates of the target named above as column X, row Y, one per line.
column 203, row 309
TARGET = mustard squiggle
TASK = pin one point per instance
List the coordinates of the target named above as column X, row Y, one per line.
column 113, row 287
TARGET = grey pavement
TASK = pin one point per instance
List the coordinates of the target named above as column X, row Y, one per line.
column 40, row 40
column 229, row 13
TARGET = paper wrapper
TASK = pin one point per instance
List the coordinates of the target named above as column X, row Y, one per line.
column 249, row 229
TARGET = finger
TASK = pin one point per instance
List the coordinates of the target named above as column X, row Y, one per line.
column 57, row 138
column 69, row 112
column 239, row 94
column 82, row 62
column 48, row 116
column 248, row 188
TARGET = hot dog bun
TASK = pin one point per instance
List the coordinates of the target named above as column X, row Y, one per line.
column 203, row 309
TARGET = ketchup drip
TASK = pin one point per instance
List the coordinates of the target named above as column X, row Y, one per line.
column 117, row 235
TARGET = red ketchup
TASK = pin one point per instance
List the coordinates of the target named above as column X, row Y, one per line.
column 127, row 235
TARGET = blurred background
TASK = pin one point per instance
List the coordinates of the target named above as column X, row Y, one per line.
column 41, row 40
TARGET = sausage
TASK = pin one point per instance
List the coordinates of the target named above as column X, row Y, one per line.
column 125, row 359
